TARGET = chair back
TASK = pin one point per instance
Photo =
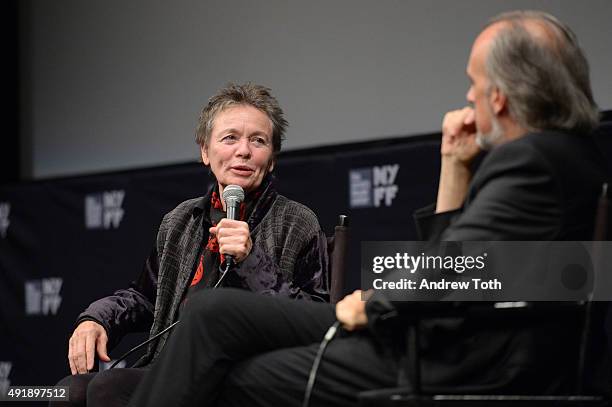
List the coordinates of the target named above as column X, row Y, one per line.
column 337, row 248
column 594, row 316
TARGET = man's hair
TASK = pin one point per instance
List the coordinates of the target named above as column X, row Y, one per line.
column 242, row 94
column 535, row 60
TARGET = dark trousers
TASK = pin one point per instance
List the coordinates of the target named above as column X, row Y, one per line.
column 236, row 348
column 110, row 388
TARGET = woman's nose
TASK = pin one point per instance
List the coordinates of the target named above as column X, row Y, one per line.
column 243, row 149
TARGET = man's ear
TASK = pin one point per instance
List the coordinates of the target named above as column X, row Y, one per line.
column 204, row 154
column 498, row 101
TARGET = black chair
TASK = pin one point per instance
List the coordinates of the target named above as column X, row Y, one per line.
column 337, row 249
column 414, row 396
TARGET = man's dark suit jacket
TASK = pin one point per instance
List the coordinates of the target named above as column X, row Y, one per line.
column 542, row 186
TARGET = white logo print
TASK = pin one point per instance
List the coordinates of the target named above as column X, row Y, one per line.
column 103, row 210
column 5, row 210
column 5, row 383
column 42, row 296
column 373, row 186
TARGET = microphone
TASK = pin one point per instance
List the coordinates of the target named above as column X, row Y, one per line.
column 232, row 195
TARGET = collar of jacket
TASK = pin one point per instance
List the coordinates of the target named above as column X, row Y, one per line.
column 265, row 195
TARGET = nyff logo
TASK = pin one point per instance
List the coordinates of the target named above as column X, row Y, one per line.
column 103, row 210
column 5, row 211
column 42, row 297
column 373, row 186
column 5, row 383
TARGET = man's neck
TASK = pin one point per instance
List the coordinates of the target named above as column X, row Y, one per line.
column 512, row 130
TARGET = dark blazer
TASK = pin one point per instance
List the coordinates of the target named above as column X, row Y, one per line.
column 542, row 186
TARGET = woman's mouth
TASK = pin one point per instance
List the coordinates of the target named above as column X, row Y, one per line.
column 241, row 170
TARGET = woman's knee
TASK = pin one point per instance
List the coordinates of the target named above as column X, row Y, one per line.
column 209, row 305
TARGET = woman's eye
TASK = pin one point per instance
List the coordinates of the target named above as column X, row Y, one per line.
column 229, row 137
column 259, row 140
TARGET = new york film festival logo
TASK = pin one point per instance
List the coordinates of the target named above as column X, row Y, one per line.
column 373, row 186
column 5, row 371
column 5, row 211
column 104, row 210
column 42, row 297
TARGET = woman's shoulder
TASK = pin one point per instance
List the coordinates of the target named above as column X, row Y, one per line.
column 289, row 211
column 184, row 211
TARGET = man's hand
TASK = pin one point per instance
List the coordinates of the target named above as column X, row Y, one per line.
column 234, row 238
column 458, row 150
column 459, row 136
column 88, row 338
column 350, row 311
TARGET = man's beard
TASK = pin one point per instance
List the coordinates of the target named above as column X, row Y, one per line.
column 487, row 141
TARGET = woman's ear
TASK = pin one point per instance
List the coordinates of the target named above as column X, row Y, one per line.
column 204, row 154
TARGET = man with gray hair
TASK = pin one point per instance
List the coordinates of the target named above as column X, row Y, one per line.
column 531, row 105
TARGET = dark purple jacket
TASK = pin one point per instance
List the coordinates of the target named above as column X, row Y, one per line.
column 289, row 257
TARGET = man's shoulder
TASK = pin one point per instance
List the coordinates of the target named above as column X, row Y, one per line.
column 530, row 145
column 552, row 143
column 545, row 150
column 569, row 163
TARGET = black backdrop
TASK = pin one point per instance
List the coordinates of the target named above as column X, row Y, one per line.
column 52, row 265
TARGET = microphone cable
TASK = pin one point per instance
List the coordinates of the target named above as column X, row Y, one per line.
column 135, row 348
column 329, row 335
column 228, row 264
column 169, row 327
